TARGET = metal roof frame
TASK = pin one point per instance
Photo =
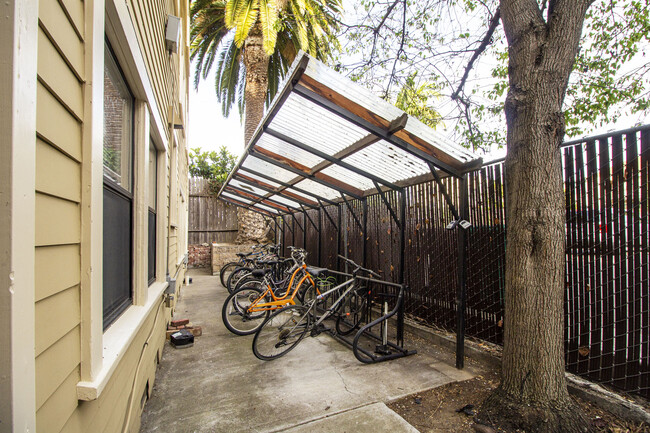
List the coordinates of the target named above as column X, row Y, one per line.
column 368, row 122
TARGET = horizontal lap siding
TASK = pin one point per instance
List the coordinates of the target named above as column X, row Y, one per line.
column 150, row 19
column 59, row 117
column 107, row 413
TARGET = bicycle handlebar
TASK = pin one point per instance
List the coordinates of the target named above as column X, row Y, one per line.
column 371, row 272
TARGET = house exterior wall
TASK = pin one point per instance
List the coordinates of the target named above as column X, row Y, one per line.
column 66, row 372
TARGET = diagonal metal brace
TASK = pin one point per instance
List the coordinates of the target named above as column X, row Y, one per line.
column 328, row 215
column 352, row 211
column 458, row 220
column 296, row 220
column 309, row 218
column 388, row 205
column 285, row 223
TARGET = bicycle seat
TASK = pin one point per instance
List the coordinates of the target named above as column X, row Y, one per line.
column 317, row 272
column 242, row 255
column 259, row 273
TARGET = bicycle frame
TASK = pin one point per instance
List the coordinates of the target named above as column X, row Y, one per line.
column 284, row 300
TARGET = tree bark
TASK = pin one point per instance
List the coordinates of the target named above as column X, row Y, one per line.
column 252, row 226
column 533, row 393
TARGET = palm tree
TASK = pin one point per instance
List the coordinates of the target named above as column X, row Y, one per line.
column 253, row 43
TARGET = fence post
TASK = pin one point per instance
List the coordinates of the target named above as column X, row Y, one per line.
column 461, row 293
column 364, row 228
column 402, row 239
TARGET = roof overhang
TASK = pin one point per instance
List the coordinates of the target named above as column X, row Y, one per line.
column 325, row 137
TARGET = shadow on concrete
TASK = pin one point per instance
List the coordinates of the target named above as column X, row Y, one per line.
column 219, row 386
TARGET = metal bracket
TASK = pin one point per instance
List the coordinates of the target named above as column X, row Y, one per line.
column 309, row 218
column 328, row 215
column 296, row 220
column 352, row 211
column 388, row 205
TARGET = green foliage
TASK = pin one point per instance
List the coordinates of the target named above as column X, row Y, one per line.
column 214, row 166
column 383, row 44
column 220, row 27
column 414, row 99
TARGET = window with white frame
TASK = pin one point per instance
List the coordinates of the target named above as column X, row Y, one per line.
column 152, row 201
column 118, row 190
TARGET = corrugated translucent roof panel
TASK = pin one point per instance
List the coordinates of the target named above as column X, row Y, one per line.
column 388, row 161
column 236, row 197
column 324, row 134
column 266, row 208
column 350, row 177
column 315, row 126
column 288, row 151
column 246, row 187
column 318, row 189
column 281, row 199
column 379, row 107
column 259, row 178
column 267, row 169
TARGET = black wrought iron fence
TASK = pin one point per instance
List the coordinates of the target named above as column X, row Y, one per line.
column 607, row 308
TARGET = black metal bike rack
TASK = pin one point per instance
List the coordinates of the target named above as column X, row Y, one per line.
column 386, row 349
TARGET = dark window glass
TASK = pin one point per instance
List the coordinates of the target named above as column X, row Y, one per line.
column 118, row 199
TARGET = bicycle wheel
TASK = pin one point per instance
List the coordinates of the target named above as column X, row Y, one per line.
column 235, row 276
column 281, row 332
column 225, row 272
column 351, row 312
column 235, row 314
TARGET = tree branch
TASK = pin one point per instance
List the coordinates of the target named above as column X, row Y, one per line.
column 494, row 23
column 399, row 51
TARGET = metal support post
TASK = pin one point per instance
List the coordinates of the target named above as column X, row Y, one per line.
column 364, row 234
column 320, row 235
column 461, row 293
column 402, row 239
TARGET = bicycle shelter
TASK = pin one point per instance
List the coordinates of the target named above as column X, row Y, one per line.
column 325, row 141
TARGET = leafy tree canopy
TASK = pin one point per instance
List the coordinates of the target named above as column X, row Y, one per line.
column 212, row 165
column 458, row 47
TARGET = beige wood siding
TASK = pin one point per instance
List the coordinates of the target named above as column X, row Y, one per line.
column 150, row 19
column 58, row 217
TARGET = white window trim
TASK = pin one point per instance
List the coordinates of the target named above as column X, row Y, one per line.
column 18, row 46
column 103, row 351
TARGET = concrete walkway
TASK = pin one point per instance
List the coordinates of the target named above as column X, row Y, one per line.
column 219, row 386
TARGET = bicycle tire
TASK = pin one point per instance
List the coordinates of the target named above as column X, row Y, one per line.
column 235, row 276
column 281, row 332
column 350, row 313
column 226, row 270
column 234, row 315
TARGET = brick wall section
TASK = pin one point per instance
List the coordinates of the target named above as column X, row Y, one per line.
column 224, row 253
column 199, row 256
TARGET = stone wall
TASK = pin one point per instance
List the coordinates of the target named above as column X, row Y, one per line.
column 224, row 253
column 199, row 256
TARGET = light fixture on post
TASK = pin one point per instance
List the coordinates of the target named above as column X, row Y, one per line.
column 172, row 33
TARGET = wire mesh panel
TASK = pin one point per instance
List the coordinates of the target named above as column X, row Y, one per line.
column 383, row 237
column 353, row 236
column 431, row 255
column 312, row 243
column 330, row 237
column 607, row 272
column 607, row 308
column 486, row 254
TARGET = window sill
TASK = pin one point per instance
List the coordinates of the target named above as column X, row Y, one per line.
column 117, row 339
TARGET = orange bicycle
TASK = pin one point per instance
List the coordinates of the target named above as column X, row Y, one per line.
column 247, row 308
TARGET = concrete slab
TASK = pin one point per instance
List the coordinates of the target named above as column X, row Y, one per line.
column 219, row 386
column 373, row 418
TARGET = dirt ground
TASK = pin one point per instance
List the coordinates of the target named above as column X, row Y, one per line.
column 437, row 410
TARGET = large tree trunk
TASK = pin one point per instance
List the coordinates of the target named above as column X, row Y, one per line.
column 533, row 394
column 252, row 226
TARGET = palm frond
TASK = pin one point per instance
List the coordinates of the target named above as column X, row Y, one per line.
column 268, row 19
column 245, row 20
